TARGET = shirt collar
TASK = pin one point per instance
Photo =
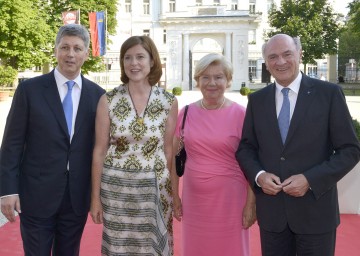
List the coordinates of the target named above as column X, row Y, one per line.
column 60, row 79
column 294, row 85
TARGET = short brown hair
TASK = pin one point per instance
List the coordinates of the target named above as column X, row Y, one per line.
column 148, row 44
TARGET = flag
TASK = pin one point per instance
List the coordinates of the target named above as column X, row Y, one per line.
column 98, row 33
column 71, row 17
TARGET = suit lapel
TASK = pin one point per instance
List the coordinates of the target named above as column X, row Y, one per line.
column 83, row 106
column 52, row 97
column 304, row 99
column 270, row 112
column 270, row 107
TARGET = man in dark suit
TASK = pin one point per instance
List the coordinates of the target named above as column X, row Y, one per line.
column 294, row 165
column 46, row 153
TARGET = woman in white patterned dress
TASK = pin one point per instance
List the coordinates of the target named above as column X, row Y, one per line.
column 131, row 181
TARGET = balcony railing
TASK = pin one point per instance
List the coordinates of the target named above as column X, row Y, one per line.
column 205, row 11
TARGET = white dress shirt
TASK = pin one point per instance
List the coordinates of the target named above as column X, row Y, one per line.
column 293, row 94
column 76, row 92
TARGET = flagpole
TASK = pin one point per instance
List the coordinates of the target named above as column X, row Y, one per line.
column 106, row 44
column 106, row 30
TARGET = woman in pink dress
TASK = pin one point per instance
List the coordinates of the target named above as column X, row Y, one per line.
column 218, row 205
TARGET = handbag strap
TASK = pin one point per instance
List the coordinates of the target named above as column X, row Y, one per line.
column 184, row 117
column 181, row 143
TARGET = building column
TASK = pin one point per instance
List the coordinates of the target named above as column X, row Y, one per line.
column 228, row 46
column 332, row 75
column 185, row 62
column 163, row 9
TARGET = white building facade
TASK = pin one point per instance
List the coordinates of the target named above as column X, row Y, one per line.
column 186, row 30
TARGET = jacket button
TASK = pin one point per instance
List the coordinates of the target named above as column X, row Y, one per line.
column 282, row 158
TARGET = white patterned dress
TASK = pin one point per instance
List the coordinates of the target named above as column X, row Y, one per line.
column 135, row 183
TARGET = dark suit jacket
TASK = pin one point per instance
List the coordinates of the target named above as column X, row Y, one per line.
column 321, row 144
column 36, row 147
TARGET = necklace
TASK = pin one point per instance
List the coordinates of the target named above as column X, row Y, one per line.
column 139, row 119
column 204, row 107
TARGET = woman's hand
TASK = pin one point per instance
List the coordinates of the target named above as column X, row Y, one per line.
column 96, row 211
column 177, row 208
column 249, row 215
column 249, row 211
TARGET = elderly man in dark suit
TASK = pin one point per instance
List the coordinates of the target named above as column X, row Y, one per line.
column 298, row 141
column 46, row 153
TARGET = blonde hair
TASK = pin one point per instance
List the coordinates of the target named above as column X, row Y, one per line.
column 213, row 59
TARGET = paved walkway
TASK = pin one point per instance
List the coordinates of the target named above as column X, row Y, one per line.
column 186, row 98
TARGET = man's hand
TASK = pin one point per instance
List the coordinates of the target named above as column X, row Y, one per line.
column 296, row 185
column 9, row 205
column 269, row 183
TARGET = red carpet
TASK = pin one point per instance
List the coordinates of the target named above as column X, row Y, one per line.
column 348, row 238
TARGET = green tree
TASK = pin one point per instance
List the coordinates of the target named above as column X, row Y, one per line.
column 56, row 8
column 349, row 48
column 24, row 34
column 28, row 29
column 7, row 76
column 313, row 21
column 354, row 15
column 349, row 41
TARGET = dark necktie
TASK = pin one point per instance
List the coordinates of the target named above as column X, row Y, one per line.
column 284, row 115
column 68, row 105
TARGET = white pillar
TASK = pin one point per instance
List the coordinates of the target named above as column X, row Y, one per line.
column 331, row 70
column 185, row 77
column 228, row 46
column 163, row 9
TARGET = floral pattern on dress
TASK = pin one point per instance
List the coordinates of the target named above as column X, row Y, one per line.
column 134, row 159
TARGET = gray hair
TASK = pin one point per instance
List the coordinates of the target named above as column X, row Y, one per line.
column 73, row 30
column 296, row 40
column 213, row 59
